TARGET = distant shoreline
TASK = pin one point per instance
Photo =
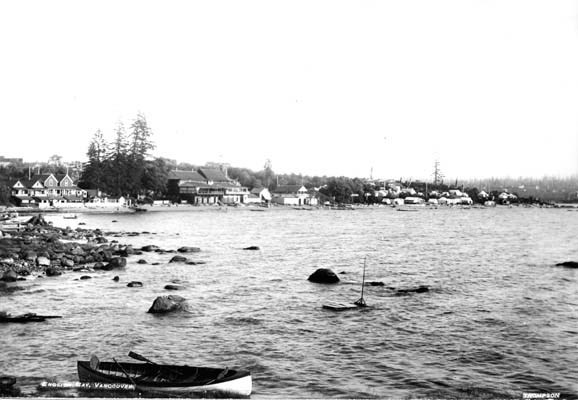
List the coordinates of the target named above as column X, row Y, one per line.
column 195, row 208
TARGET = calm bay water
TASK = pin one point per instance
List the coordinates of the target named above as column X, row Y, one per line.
column 499, row 320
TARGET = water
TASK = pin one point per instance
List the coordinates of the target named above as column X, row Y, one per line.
column 500, row 318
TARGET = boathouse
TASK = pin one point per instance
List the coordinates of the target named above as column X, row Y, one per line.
column 294, row 195
column 205, row 186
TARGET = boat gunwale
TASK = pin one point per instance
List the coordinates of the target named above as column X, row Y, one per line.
column 85, row 369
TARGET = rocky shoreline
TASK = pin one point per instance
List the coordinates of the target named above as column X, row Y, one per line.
column 45, row 250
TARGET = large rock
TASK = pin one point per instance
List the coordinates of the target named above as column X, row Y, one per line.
column 150, row 247
column 77, row 251
column 9, row 276
column 189, row 249
column 166, row 304
column 323, row 275
column 178, row 259
column 29, row 256
column 114, row 263
column 568, row 264
column 43, row 261
column 174, row 287
column 50, row 271
column 126, row 251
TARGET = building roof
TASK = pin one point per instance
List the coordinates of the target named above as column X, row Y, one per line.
column 288, row 189
column 40, row 177
column 257, row 191
column 197, row 184
column 186, row 176
column 28, row 183
column 214, row 174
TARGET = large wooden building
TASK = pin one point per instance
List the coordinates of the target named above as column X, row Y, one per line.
column 205, row 186
column 47, row 190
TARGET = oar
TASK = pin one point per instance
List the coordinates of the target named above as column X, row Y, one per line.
column 137, row 356
column 361, row 301
column 124, row 372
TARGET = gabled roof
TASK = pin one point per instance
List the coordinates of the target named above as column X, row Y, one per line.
column 186, row 176
column 41, row 177
column 214, row 174
column 28, row 183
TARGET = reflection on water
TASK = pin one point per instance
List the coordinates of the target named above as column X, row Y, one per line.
column 499, row 318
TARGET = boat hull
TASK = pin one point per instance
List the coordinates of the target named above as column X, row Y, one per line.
column 168, row 379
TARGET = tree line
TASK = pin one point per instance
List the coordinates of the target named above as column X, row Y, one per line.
column 124, row 166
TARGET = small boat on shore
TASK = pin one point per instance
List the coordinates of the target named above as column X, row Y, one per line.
column 174, row 380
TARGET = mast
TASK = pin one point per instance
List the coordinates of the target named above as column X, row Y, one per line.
column 361, row 301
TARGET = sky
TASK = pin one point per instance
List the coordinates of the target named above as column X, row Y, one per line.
column 354, row 88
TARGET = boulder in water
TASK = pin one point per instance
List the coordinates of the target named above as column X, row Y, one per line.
column 166, row 304
column 191, row 262
column 174, row 287
column 150, row 247
column 323, row 275
column 419, row 289
column 9, row 276
column 252, row 248
column 135, row 284
column 115, row 262
column 51, row 271
column 178, row 259
column 188, row 249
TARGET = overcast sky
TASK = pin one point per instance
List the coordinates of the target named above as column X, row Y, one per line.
column 489, row 88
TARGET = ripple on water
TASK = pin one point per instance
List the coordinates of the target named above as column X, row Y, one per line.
column 499, row 318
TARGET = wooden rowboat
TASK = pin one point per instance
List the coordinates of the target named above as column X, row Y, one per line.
column 168, row 380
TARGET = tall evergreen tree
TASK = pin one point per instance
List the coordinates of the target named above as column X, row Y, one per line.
column 140, row 146
column 93, row 172
column 116, row 167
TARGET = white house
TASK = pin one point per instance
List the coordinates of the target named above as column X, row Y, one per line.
column 259, row 195
column 294, row 195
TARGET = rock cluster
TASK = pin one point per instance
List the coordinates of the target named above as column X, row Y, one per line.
column 40, row 247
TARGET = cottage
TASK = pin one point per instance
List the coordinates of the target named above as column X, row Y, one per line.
column 259, row 195
column 294, row 195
